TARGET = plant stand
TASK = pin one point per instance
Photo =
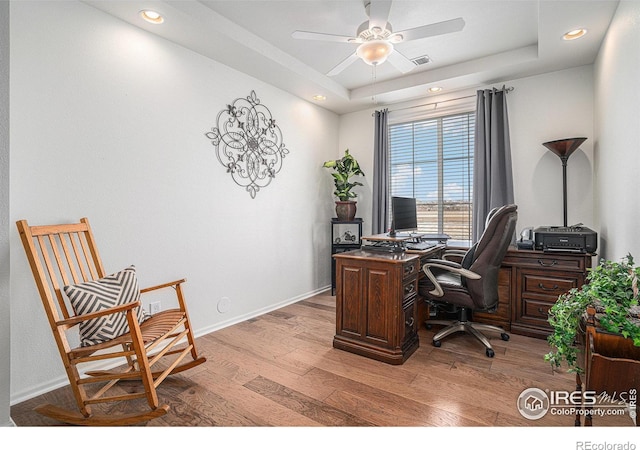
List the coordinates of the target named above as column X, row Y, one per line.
column 611, row 366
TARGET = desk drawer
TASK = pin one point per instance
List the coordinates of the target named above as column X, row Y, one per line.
column 542, row 285
column 535, row 312
column 538, row 291
column 410, row 269
column 409, row 289
column 546, row 261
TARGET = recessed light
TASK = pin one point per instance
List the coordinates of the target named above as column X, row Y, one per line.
column 151, row 16
column 435, row 89
column 574, row 34
column 319, row 98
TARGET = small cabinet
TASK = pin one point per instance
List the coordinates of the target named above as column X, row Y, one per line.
column 345, row 236
column 376, row 304
column 539, row 278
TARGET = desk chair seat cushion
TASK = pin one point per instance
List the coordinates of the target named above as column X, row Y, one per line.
column 91, row 296
column 453, row 284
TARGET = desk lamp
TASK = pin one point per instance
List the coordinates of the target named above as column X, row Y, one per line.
column 564, row 148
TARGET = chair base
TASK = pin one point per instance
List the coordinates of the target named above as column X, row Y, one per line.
column 472, row 328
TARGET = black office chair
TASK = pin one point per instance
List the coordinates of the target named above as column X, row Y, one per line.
column 472, row 284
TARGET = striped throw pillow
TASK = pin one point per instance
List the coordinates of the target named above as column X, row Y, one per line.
column 91, row 296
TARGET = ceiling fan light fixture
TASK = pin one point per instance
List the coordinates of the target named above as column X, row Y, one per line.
column 396, row 38
column 374, row 52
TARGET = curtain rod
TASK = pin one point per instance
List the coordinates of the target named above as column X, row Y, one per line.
column 506, row 89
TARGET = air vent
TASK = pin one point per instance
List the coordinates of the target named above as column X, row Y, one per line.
column 421, row 60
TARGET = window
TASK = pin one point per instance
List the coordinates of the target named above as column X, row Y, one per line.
column 432, row 160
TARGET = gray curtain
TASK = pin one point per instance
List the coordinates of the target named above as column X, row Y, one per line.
column 492, row 178
column 380, row 200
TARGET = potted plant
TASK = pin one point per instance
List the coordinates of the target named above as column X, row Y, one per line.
column 611, row 296
column 344, row 169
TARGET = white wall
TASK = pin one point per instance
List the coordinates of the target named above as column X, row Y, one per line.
column 541, row 108
column 109, row 122
column 4, row 215
column 617, row 125
column 356, row 134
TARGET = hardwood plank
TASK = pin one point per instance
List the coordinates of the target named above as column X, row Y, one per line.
column 320, row 412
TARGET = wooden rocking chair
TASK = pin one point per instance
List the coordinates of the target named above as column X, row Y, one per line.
column 64, row 259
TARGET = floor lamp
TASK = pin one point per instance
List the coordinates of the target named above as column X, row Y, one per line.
column 564, row 148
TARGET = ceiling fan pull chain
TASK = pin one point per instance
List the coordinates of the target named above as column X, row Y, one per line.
column 373, row 84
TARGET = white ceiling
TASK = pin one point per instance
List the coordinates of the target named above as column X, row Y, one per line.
column 501, row 40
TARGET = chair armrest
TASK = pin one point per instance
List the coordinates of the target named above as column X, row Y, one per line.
column 162, row 286
column 441, row 262
column 454, row 252
column 104, row 312
column 450, row 266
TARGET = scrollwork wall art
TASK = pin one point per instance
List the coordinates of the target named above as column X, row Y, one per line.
column 248, row 143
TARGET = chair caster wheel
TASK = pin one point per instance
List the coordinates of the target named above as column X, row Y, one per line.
column 437, row 343
column 504, row 336
column 490, row 353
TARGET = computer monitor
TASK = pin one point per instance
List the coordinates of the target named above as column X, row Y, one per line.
column 404, row 216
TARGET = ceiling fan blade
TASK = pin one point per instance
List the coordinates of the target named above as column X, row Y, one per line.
column 379, row 13
column 310, row 35
column 434, row 29
column 400, row 62
column 343, row 64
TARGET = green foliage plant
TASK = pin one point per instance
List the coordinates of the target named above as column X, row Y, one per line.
column 612, row 289
column 344, row 169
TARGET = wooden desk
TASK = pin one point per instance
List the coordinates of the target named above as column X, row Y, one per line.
column 376, row 300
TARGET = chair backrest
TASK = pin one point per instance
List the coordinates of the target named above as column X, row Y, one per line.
column 486, row 255
column 60, row 255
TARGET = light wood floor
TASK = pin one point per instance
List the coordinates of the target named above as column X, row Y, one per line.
column 280, row 369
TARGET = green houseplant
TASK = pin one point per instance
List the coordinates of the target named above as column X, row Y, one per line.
column 612, row 290
column 344, row 169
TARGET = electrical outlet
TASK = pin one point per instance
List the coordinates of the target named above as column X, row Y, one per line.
column 154, row 308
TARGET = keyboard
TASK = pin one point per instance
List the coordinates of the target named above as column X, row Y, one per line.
column 383, row 246
column 424, row 245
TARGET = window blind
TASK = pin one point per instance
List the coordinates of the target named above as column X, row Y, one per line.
column 432, row 160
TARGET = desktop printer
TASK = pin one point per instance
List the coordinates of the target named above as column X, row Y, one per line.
column 575, row 238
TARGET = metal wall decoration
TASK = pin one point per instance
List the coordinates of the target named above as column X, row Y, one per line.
column 248, row 143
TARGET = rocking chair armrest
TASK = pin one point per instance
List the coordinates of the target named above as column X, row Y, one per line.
column 162, row 286
column 445, row 265
column 104, row 312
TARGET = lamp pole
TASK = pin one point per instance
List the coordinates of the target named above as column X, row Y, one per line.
column 564, row 148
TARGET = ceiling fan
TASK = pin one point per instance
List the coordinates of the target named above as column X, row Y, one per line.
column 376, row 38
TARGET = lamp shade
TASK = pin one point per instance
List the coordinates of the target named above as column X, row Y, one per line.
column 374, row 52
column 565, row 147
